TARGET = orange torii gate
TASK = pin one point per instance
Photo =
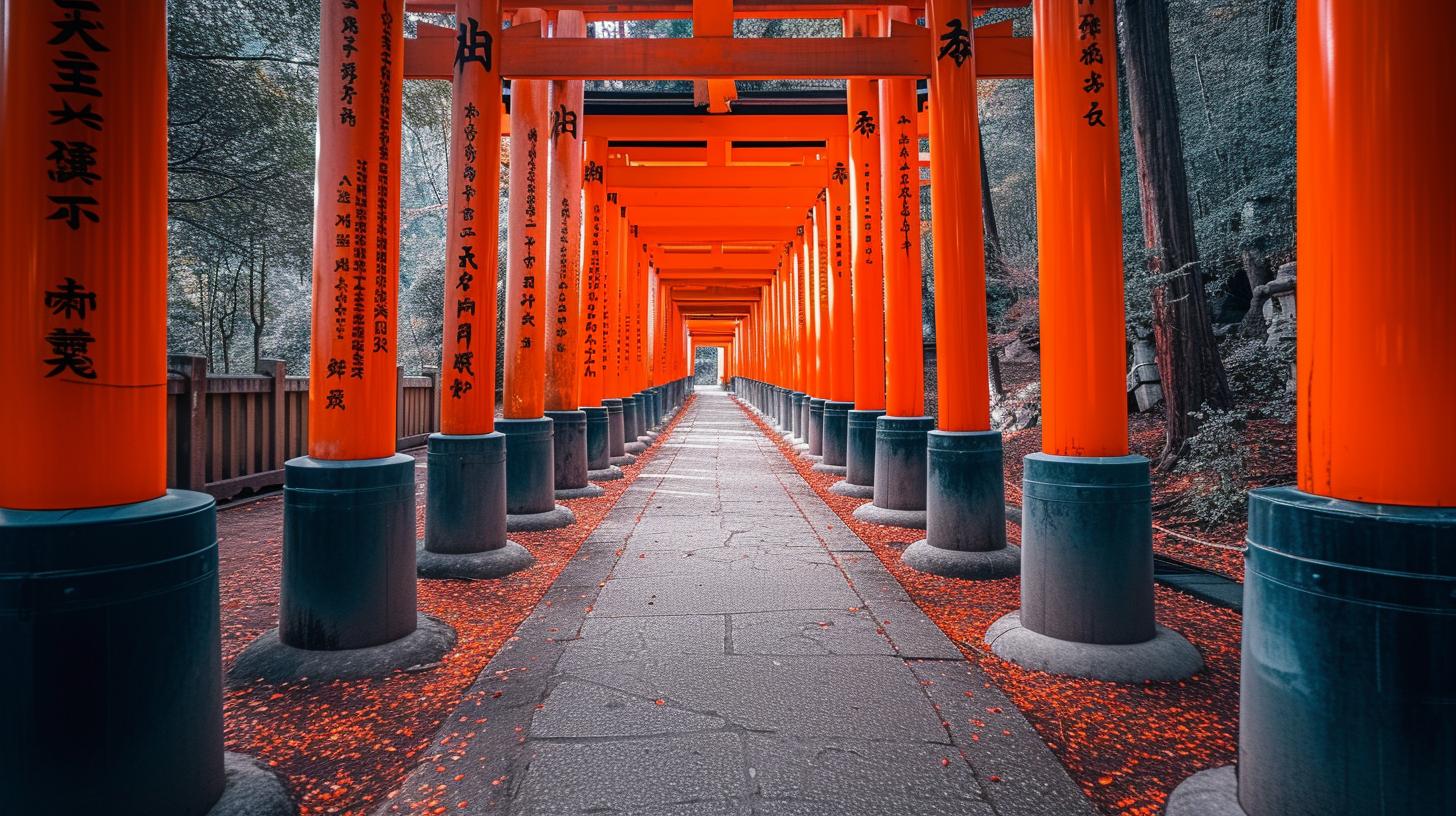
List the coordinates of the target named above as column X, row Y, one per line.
column 622, row 257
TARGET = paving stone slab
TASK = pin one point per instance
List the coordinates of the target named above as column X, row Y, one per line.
column 807, row 632
column 851, row 777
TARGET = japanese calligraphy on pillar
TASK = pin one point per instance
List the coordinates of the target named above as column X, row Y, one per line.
column 527, row 295
column 1090, row 38
column 907, row 179
column 592, row 181
column 840, row 177
column 83, row 246
column 468, row 353
column 466, row 266
column 352, row 406
column 72, row 165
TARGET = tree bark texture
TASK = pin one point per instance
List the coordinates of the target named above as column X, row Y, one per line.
column 1187, row 351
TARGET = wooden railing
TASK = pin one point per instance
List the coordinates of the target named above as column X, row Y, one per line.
column 229, row 434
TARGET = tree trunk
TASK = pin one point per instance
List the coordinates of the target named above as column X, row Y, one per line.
column 1187, row 351
column 988, row 216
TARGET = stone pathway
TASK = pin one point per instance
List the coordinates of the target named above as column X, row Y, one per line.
column 723, row 644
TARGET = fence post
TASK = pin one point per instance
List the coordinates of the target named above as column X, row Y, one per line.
column 399, row 423
column 433, row 372
column 191, row 444
column 276, row 369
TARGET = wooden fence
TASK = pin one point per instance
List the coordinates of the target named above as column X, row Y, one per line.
column 229, row 434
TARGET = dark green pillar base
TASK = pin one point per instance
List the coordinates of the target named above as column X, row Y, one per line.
column 111, row 695
column 465, row 495
column 1349, row 657
column 348, row 553
column 465, row 511
column 632, row 426
column 796, row 416
column 965, row 509
column 859, row 455
column 598, row 438
column 645, row 420
column 530, row 464
column 616, row 429
column 1087, row 575
column 568, row 444
column 836, row 437
column 816, row 428
column 899, row 489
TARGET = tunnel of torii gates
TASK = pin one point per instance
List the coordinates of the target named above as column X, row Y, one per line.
column 786, row 234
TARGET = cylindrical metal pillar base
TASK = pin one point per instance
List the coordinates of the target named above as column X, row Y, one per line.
column 899, row 489
column 598, row 438
column 347, row 604
column 1087, row 575
column 803, row 434
column 796, row 415
column 816, row 428
column 465, row 511
column 632, row 426
column 111, row 701
column 859, row 455
column 568, row 443
column 617, row 433
column 1348, row 658
column 531, row 476
column 836, row 437
column 965, row 509
column 645, row 420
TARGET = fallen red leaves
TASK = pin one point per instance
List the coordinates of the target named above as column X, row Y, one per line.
column 345, row 745
column 1127, row 746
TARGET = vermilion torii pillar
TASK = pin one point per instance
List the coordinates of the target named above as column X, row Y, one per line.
column 899, row 484
column 563, row 280
column 611, row 332
column 840, row 399
column 1086, row 554
column 465, row 505
column 965, row 524
column 823, row 364
column 627, row 370
column 530, row 455
column 112, row 696
column 592, row 358
column 1349, row 610
column 347, row 605
column 798, row 341
column 867, row 264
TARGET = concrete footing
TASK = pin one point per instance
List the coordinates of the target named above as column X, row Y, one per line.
column 1214, row 792
column 609, row 473
column 251, row 788
column 465, row 510
column 530, row 476
column 1164, row 656
column 495, row 563
column 965, row 509
column 270, row 660
column 899, row 488
column 111, row 700
column 1087, row 575
column 568, row 444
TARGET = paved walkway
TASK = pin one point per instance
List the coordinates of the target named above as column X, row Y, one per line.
column 723, row 644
